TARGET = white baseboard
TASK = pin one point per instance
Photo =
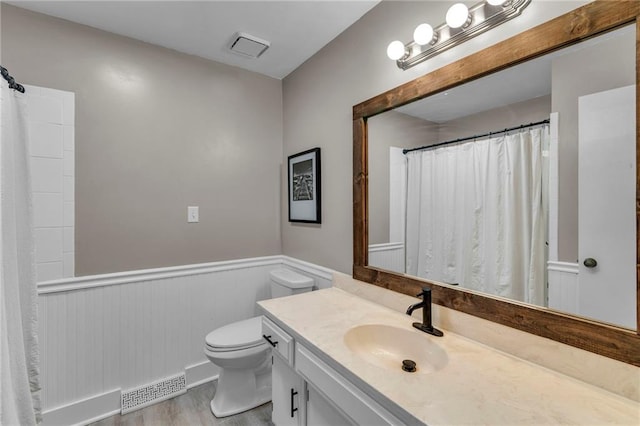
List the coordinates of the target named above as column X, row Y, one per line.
column 98, row 407
column 85, row 411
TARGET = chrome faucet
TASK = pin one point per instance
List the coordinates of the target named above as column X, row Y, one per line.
column 425, row 325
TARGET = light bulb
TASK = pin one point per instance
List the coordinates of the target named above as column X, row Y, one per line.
column 457, row 15
column 496, row 2
column 395, row 50
column 423, row 34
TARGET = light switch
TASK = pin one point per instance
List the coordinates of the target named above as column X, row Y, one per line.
column 193, row 214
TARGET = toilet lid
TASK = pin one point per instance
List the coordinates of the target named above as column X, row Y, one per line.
column 239, row 334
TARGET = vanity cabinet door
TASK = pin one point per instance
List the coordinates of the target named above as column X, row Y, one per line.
column 320, row 412
column 342, row 394
column 288, row 394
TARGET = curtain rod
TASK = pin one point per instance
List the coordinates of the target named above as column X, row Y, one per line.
column 522, row 126
column 12, row 82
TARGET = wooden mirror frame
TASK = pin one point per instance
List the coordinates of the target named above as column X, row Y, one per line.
column 587, row 21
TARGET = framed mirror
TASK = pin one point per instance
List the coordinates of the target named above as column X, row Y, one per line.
column 534, row 227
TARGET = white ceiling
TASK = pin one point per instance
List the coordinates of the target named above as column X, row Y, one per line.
column 296, row 29
column 519, row 83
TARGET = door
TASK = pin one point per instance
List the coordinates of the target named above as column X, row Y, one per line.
column 607, row 215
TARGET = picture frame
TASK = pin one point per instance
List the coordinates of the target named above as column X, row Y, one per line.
column 304, row 187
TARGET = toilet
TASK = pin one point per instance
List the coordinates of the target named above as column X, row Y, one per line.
column 243, row 355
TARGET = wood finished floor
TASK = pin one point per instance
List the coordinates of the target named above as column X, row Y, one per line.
column 191, row 408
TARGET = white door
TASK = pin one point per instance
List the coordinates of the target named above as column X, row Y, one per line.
column 607, row 211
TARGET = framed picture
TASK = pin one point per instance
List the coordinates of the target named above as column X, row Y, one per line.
column 304, row 186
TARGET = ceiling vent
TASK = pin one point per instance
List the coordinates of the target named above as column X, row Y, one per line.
column 248, row 46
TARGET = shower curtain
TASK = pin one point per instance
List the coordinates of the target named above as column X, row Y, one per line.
column 19, row 377
column 475, row 215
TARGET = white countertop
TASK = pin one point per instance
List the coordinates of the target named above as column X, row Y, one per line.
column 479, row 385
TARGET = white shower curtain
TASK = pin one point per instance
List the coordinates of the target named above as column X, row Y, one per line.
column 475, row 215
column 19, row 377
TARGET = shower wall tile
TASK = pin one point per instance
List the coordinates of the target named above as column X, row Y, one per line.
column 68, row 109
column 46, row 174
column 68, row 188
column 45, row 139
column 49, row 271
column 68, row 214
column 67, row 240
column 52, row 93
column 47, row 210
column 48, row 245
column 52, row 144
column 68, row 163
column 68, row 136
column 46, row 109
column 68, row 260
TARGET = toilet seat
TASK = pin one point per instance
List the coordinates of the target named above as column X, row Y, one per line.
column 236, row 336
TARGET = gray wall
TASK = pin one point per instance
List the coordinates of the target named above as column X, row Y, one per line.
column 529, row 111
column 386, row 130
column 319, row 95
column 608, row 65
column 156, row 131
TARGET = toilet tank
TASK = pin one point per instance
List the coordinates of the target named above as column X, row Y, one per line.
column 285, row 282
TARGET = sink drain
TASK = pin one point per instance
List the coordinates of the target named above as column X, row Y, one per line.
column 408, row 365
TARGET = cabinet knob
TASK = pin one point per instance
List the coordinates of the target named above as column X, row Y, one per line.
column 590, row 262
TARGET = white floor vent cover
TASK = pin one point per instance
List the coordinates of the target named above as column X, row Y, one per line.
column 143, row 396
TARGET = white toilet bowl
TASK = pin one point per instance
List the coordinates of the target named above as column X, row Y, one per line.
column 245, row 373
column 244, row 356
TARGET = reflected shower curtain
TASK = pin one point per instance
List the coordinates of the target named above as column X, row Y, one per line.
column 475, row 215
column 19, row 377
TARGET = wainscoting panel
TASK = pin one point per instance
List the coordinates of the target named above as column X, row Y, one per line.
column 111, row 334
column 389, row 256
column 563, row 286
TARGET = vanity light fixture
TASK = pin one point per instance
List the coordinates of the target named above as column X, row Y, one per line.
column 458, row 16
column 462, row 24
column 396, row 50
column 424, row 34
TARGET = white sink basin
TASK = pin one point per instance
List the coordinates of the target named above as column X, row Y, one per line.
column 387, row 346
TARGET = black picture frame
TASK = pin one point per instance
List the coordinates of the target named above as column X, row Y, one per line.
column 304, row 187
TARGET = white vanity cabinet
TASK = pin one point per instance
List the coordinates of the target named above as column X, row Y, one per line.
column 308, row 392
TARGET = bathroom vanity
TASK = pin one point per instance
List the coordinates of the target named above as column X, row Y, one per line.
column 307, row 391
column 338, row 360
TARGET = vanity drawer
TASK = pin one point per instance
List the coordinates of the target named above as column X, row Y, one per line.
column 278, row 338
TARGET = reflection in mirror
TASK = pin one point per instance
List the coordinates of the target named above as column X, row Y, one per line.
column 543, row 214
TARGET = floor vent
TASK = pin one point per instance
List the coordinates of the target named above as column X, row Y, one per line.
column 144, row 396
